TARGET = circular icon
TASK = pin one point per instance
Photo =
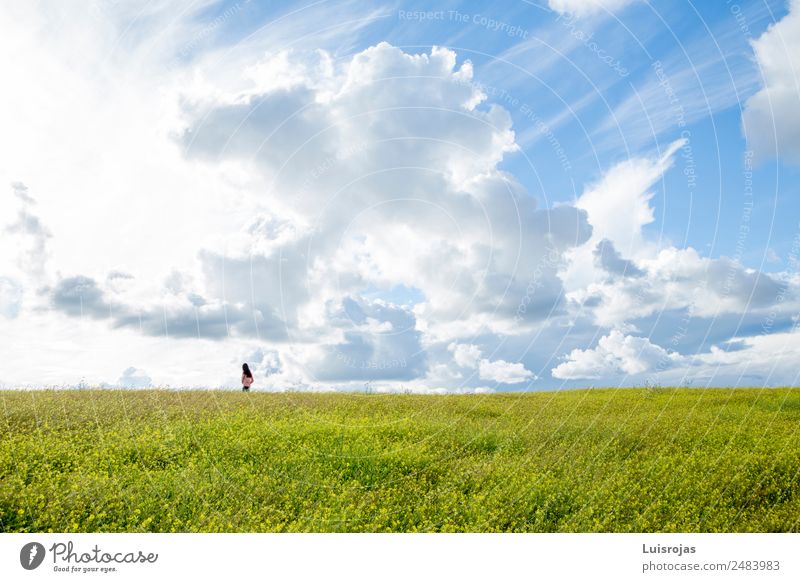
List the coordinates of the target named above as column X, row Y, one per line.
column 31, row 555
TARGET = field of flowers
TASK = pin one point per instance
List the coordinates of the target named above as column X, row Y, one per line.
column 211, row 461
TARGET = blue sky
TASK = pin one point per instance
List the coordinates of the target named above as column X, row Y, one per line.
column 464, row 196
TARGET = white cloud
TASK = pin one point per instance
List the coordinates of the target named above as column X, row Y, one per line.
column 620, row 274
column 262, row 362
column 618, row 208
column 766, row 359
column 771, row 117
column 645, row 279
column 676, row 279
column 469, row 356
column 504, row 372
column 465, row 355
column 615, row 353
column 441, row 228
column 619, row 204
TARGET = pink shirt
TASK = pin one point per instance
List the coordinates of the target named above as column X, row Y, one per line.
column 247, row 382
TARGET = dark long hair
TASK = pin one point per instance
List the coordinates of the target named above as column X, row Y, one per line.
column 246, row 370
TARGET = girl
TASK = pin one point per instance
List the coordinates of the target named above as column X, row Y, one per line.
column 247, row 378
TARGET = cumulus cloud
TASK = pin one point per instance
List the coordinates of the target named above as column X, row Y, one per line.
column 771, row 118
column 763, row 358
column 418, row 204
column 647, row 278
column 620, row 289
column 501, row 371
column 617, row 208
column 615, row 353
column 465, row 355
column 504, row 372
column 676, row 279
column 618, row 205
column 265, row 362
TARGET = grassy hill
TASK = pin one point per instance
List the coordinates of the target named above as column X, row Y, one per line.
column 590, row 460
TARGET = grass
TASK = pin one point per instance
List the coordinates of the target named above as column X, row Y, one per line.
column 667, row 460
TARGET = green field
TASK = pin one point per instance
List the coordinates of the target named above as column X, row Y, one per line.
column 590, row 460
